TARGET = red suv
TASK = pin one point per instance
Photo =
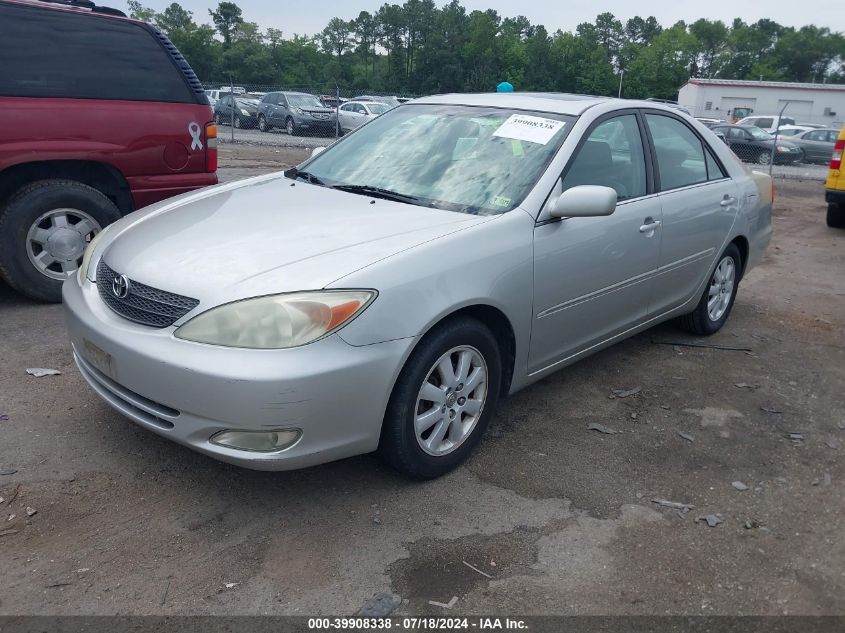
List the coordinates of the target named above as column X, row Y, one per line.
column 101, row 116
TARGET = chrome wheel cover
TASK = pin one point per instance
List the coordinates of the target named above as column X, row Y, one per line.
column 56, row 241
column 451, row 400
column 721, row 288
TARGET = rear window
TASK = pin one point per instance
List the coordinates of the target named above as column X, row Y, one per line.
column 50, row 53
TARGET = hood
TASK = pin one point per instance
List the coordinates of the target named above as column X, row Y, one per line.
column 268, row 235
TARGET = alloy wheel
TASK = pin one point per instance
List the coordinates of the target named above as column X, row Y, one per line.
column 721, row 288
column 56, row 241
column 451, row 400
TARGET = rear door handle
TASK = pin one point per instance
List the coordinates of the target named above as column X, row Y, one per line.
column 727, row 202
column 650, row 226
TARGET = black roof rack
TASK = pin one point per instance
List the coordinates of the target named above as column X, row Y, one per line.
column 88, row 4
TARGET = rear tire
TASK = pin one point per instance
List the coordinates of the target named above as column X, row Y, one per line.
column 31, row 211
column 836, row 215
column 423, row 437
column 715, row 305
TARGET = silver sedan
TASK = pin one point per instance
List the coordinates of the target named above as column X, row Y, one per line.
column 388, row 292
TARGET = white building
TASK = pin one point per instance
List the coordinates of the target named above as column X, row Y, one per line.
column 806, row 103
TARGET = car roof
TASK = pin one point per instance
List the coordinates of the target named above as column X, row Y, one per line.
column 557, row 102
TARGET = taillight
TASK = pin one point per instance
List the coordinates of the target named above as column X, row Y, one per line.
column 836, row 159
column 211, row 144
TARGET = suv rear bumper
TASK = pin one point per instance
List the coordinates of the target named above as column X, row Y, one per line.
column 147, row 190
column 835, row 196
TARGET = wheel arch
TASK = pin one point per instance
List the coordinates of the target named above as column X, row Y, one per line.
column 101, row 176
column 499, row 324
column 741, row 242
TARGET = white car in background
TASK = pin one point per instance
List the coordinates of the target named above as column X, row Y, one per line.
column 788, row 131
column 353, row 114
column 768, row 122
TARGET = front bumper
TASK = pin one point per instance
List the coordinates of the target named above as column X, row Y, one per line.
column 334, row 392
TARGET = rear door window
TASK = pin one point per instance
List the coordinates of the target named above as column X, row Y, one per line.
column 764, row 123
column 51, row 53
column 680, row 155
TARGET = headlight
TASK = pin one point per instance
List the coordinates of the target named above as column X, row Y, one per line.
column 244, row 112
column 89, row 252
column 276, row 321
column 299, row 110
column 783, row 148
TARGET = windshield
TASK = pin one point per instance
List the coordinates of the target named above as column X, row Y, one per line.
column 304, row 101
column 758, row 134
column 247, row 102
column 378, row 108
column 459, row 158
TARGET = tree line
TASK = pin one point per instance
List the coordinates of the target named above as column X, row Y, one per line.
column 420, row 48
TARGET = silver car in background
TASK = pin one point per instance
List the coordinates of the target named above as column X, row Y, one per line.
column 386, row 294
column 353, row 114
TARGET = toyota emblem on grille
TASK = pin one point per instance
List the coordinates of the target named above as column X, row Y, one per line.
column 120, row 286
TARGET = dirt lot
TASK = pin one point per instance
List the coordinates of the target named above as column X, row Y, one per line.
column 559, row 518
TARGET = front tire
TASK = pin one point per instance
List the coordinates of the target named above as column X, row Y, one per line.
column 238, row 123
column 718, row 297
column 262, row 124
column 44, row 229
column 836, row 215
column 290, row 128
column 443, row 401
column 764, row 158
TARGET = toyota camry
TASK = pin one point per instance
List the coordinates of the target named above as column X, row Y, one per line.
column 388, row 292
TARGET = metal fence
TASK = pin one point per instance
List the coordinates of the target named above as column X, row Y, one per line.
column 790, row 135
column 278, row 114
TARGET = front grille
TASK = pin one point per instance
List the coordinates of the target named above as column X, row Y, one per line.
column 143, row 304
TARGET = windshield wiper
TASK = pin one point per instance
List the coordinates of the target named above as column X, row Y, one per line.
column 297, row 174
column 378, row 192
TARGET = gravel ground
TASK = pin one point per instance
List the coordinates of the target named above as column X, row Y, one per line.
column 559, row 519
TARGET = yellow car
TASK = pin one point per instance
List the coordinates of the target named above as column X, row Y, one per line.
column 835, row 185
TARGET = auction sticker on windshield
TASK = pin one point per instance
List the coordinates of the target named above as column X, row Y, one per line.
column 533, row 129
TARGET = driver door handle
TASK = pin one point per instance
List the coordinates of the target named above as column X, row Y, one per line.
column 650, row 225
column 727, row 202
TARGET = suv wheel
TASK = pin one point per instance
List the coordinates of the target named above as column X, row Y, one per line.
column 443, row 400
column 262, row 124
column 836, row 216
column 44, row 229
column 290, row 128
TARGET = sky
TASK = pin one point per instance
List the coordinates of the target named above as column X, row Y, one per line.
column 307, row 18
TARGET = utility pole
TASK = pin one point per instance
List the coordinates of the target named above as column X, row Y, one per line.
column 775, row 141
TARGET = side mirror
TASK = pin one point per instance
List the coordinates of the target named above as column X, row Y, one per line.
column 584, row 201
column 316, row 151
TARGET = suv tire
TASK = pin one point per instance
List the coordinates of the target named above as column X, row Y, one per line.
column 18, row 217
column 836, row 215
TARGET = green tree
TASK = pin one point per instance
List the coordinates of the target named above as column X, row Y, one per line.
column 175, row 18
column 140, row 12
column 226, row 19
